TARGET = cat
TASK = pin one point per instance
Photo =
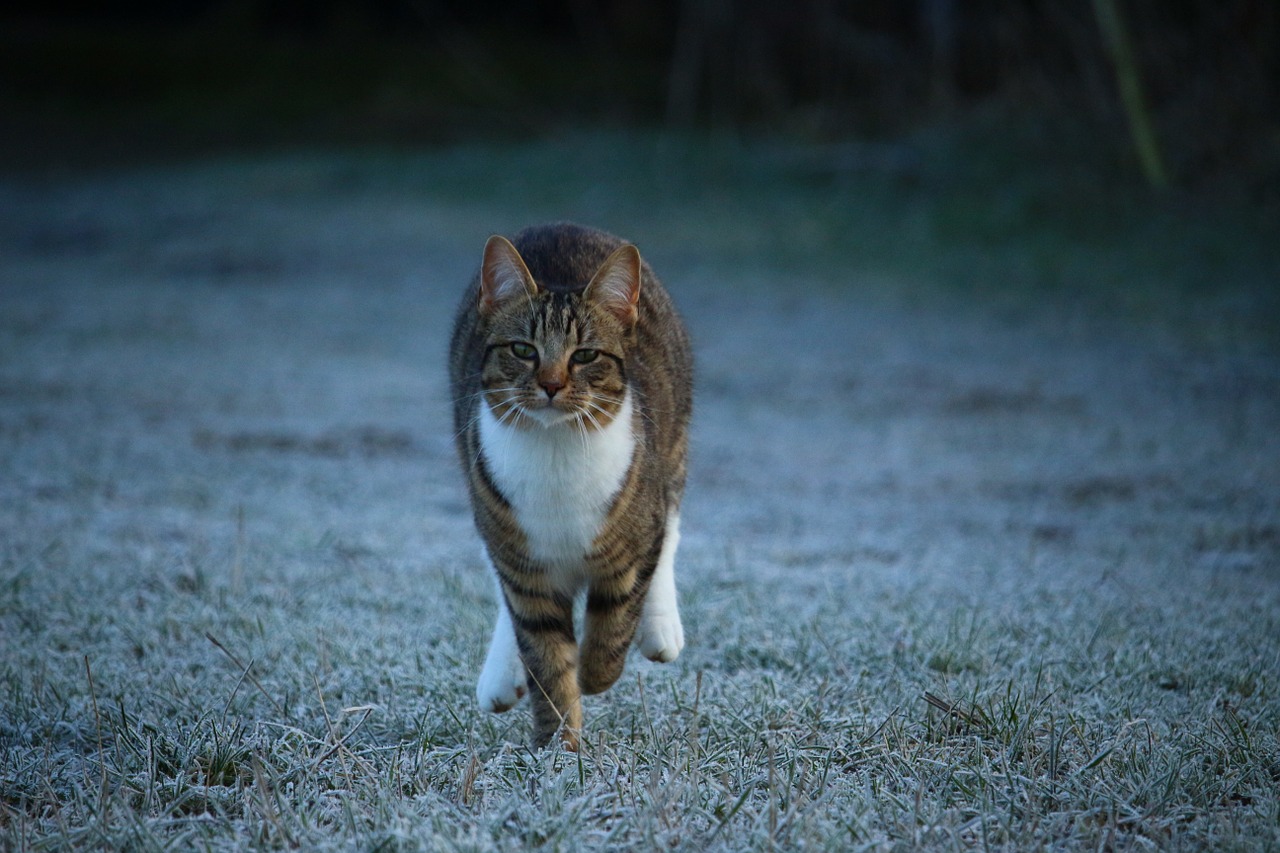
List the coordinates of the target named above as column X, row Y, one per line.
column 572, row 381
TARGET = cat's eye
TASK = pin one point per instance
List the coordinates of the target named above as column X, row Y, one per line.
column 584, row 356
column 522, row 350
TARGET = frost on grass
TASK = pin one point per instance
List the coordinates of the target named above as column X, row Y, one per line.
column 953, row 578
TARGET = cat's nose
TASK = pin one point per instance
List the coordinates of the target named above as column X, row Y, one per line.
column 551, row 386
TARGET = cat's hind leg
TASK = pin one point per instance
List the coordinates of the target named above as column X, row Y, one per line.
column 660, row 634
column 502, row 680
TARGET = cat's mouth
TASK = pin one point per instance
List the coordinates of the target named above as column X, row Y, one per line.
column 549, row 413
column 539, row 411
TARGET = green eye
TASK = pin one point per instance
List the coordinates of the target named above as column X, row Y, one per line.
column 584, row 356
column 522, row 350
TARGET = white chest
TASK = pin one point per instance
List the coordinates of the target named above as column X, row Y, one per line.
column 560, row 481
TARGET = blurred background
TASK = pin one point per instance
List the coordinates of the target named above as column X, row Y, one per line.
column 1124, row 152
column 1181, row 93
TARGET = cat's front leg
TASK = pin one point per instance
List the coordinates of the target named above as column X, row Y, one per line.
column 544, row 630
column 502, row 680
column 660, row 634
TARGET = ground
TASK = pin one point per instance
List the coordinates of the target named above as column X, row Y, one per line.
column 962, row 565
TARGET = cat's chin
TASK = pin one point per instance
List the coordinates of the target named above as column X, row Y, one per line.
column 548, row 416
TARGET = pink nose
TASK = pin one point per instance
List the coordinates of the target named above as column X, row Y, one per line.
column 551, row 386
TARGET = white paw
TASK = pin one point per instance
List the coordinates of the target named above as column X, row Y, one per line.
column 501, row 684
column 502, row 680
column 660, row 635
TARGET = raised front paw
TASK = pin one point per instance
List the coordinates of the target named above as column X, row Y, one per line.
column 597, row 674
column 501, row 685
column 660, row 636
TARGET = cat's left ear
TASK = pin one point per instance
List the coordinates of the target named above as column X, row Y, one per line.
column 503, row 275
column 616, row 285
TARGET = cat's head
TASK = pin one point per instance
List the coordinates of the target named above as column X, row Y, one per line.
column 554, row 357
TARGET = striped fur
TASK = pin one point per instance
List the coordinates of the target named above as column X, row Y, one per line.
column 572, row 383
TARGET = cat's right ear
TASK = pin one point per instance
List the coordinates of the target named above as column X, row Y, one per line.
column 503, row 275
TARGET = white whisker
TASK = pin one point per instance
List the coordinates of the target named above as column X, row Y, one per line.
column 581, row 429
column 475, row 416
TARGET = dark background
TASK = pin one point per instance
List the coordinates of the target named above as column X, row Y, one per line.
column 94, row 82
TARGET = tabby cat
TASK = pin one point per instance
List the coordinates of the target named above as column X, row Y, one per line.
column 572, row 390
